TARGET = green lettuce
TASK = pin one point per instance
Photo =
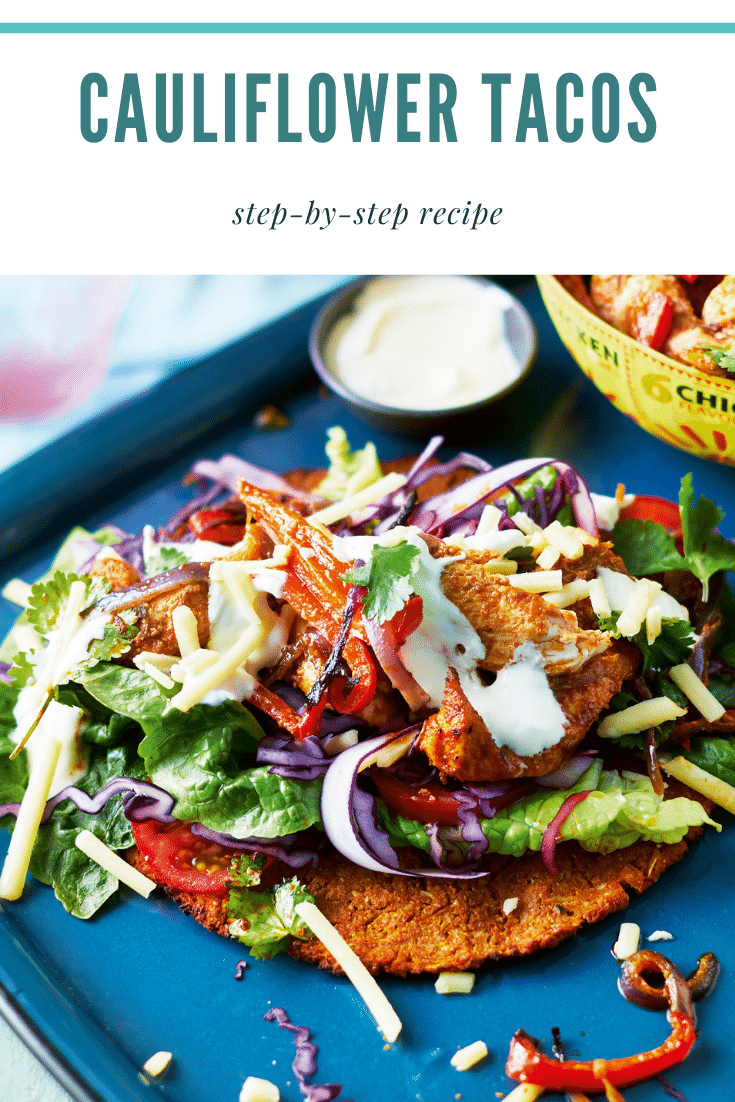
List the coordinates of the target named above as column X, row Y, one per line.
column 13, row 774
column 349, row 471
column 267, row 920
column 619, row 811
column 205, row 758
column 402, row 832
column 714, row 755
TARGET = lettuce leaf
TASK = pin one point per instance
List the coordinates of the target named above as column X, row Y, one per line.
column 619, row 811
column 13, row 774
column 402, row 832
column 205, row 758
column 266, row 921
column 349, row 471
column 714, row 755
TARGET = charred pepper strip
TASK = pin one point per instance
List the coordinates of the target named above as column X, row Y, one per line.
column 527, row 1064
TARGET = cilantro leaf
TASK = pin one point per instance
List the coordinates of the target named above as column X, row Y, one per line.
column 166, row 558
column 706, row 551
column 115, row 640
column 388, row 580
column 23, row 671
column 723, row 357
column 646, row 548
column 669, row 648
column 48, row 598
column 267, row 920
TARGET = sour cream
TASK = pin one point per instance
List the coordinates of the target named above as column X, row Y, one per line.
column 424, row 342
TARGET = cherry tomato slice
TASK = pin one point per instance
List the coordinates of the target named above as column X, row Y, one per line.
column 217, row 526
column 432, row 802
column 657, row 509
column 183, row 860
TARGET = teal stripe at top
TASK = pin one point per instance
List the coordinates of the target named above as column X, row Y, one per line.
column 367, row 28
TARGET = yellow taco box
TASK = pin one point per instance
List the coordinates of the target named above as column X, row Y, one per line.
column 691, row 409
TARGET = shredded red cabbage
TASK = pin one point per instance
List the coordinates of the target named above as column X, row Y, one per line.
column 669, row 1088
column 304, row 1063
column 283, row 849
column 5, row 677
column 240, row 969
column 141, row 801
column 551, row 834
column 226, row 471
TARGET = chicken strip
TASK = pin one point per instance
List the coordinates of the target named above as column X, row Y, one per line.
column 458, row 743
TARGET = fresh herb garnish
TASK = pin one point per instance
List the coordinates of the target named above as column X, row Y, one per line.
column 388, row 580
column 669, row 648
column 266, row 920
column 166, row 558
column 723, row 357
column 47, row 599
column 649, row 549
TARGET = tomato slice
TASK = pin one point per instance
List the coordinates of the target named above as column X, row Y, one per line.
column 184, row 860
column 218, row 526
column 431, row 803
column 657, row 509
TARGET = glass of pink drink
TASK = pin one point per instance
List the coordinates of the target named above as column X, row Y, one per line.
column 55, row 338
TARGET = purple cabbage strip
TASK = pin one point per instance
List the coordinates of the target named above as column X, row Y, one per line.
column 670, row 1089
column 304, row 1062
column 226, row 471
column 301, row 759
column 470, row 825
column 206, row 497
column 240, row 969
column 141, row 800
column 366, row 820
column 294, row 858
column 5, row 677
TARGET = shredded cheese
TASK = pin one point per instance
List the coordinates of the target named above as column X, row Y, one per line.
column 31, row 810
column 639, row 717
column 548, row 558
column 157, row 675
column 162, row 662
column 654, row 623
column 156, row 1064
column 565, row 540
column 695, row 690
column 598, row 597
column 186, row 630
column 525, row 1092
column 385, row 1016
column 259, row 1090
column 469, row 1056
column 501, row 566
column 569, row 594
column 97, row 851
column 526, row 524
column 337, row 743
column 660, row 935
column 538, row 581
column 489, row 520
column 386, row 485
column 510, row 904
column 389, row 753
column 634, row 612
column 629, row 938
column 17, row 592
column 454, row 983
column 199, row 685
column 719, row 791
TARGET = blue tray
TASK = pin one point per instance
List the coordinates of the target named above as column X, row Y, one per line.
column 95, row 999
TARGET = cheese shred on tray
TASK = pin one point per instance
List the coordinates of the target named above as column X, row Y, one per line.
column 425, row 686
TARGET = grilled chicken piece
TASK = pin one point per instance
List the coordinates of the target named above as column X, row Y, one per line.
column 505, row 616
column 457, row 742
column 155, row 626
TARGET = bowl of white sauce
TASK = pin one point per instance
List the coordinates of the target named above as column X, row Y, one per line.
column 421, row 353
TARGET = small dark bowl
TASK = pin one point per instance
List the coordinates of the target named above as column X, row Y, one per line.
column 520, row 334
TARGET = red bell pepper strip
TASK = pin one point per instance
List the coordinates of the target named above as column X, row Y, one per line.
column 362, row 667
column 527, row 1065
column 688, row 278
column 653, row 324
column 217, row 525
column 405, row 621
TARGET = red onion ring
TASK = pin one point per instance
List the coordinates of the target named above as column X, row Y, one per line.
column 340, row 824
column 551, row 834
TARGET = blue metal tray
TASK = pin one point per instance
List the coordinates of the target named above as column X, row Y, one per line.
column 95, row 999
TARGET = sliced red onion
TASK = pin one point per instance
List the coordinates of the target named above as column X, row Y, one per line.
column 152, row 587
column 302, row 759
column 226, row 471
column 551, row 834
column 344, row 830
column 392, row 665
column 283, row 848
column 240, row 969
column 304, row 1063
column 141, row 801
column 567, row 774
column 206, row 497
column 437, row 512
